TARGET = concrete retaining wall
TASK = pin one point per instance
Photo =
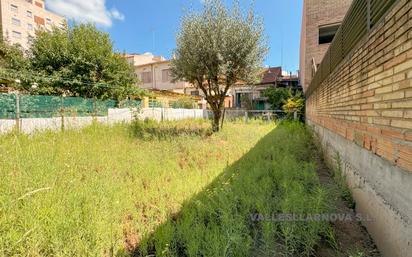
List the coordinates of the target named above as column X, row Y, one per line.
column 363, row 112
column 7, row 125
column 381, row 191
column 31, row 125
column 171, row 114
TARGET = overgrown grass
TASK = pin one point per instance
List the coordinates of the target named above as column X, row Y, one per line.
column 229, row 217
column 150, row 129
column 136, row 190
column 100, row 190
column 340, row 179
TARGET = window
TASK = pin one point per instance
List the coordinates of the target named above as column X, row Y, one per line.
column 29, row 26
column 38, row 20
column 29, row 1
column 38, row 4
column 327, row 33
column 30, row 40
column 15, row 21
column 14, row 8
column 195, row 92
column 166, row 75
column 29, row 14
column 16, row 34
column 48, row 21
column 147, row 77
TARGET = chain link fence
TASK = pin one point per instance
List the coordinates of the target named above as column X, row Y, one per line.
column 15, row 106
column 269, row 115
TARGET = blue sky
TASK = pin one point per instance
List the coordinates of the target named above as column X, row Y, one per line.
column 138, row 26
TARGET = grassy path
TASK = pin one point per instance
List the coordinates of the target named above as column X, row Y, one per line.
column 246, row 210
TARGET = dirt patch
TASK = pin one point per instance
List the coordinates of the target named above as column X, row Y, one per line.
column 351, row 238
column 131, row 239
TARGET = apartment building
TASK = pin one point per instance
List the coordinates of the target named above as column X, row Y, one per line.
column 142, row 59
column 153, row 73
column 320, row 21
column 19, row 20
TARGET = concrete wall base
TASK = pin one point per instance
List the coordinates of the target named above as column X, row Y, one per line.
column 382, row 191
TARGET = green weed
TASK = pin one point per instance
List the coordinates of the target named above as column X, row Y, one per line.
column 340, row 180
column 99, row 191
column 150, row 129
column 165, row 191
column 276, row 177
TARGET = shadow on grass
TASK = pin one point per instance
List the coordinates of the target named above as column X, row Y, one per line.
column 236, row 215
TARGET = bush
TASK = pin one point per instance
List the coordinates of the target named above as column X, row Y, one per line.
column 184, row 103
column 276, row 96
column 150, row 129
column 295, row 103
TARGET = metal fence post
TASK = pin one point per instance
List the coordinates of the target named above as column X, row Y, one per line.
column 17, row 111
column 94, row 109
column 62, row 111
column 246, row 116
column 295, row 115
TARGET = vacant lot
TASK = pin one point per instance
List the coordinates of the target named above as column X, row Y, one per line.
column 168, row 191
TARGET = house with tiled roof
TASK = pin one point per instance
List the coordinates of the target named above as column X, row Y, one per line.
column 253, row 95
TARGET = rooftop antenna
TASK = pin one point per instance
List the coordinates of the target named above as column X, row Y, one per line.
column 281, row 48
column 153, row 40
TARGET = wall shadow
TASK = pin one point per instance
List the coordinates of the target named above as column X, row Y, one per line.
column 236, row 214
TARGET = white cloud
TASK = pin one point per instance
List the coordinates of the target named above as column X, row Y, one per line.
column 115, row 14
column 94, row 11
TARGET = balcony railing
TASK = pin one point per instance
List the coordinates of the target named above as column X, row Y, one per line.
column 362, row 16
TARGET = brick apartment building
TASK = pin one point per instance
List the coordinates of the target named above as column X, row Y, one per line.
column 359, row 103
column 320, row 21
column 20, row 18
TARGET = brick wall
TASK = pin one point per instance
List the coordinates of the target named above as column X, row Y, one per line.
column 368, row 98
column 317, row 13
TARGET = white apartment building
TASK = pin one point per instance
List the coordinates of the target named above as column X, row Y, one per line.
column 141, row 59
column 153, row 72
column 19, row 20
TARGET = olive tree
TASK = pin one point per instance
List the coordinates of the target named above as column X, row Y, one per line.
column 216, row 48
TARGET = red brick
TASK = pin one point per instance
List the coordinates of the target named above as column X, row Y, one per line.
column 387, row 132
column 405, row 157
column 408, row 136
column 367, row 142
column 374, row 130
column 404, row 164
column 349, row 134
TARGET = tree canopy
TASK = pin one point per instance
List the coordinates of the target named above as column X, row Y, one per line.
column 217, row 48
column 277, row 96
column 78, row 60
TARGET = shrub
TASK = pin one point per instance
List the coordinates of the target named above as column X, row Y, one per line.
column 149, row 129
column 184, row 103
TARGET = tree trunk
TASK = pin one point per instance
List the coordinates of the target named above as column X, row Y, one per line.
column 217, row 114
